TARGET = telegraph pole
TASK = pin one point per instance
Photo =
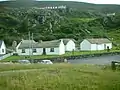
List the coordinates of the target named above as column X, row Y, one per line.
column 32, row 46
column 29, row 44
column 32, row 43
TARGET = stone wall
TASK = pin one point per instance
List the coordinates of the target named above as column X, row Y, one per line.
column 62, row 58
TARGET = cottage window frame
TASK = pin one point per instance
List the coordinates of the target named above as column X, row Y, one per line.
column 23, row 50
column 3, row 50
column 34, row 50
column 52, row 50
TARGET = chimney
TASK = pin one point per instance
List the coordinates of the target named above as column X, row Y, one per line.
column 61, row 40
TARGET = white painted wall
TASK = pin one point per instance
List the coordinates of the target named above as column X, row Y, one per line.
column 109, row 45
column 70, row 46
column 100, row 47
column 28, row 51
column 97, row 47
column 56, row 51
column 3, row 47
column 39, row 51
column 61, row 48
column 93, row 47
column 85, row 45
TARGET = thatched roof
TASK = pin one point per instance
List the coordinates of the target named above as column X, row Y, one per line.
column 99, row 40
column 44, row 44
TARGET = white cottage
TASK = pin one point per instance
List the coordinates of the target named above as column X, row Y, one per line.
column 2, row 47
column 95, row 44
column 69, row 44
column 54, row 47
column 30, row 47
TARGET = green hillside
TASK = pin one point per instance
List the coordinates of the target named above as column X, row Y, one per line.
column 72, row 4
column 78, row 20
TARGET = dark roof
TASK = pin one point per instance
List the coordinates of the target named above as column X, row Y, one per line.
column 44, row 44
column 27, row 44
column 66, row 40
column 49, row 44
column 99, row 40
column 28, row 41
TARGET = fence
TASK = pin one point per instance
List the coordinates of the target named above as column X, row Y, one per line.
column 5, row 56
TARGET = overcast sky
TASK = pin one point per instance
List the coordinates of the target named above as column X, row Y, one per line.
column 90, row 1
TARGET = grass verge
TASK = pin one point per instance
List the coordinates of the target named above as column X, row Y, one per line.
column 60, row 77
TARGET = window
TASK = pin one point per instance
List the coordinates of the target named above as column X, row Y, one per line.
column 2, row 50
column 34, row 51
column 23, row 50
column 51, row 49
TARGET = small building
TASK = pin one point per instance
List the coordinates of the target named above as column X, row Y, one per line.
column 54, row 47
column 95, row 44
column 30, row 47
column 69, row 44
column 2, row 47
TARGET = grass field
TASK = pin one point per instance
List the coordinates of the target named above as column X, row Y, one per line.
column 51, row 56
column 58, row 77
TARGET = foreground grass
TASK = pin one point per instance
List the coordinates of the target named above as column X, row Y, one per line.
column 59, row 77
column 12, row 58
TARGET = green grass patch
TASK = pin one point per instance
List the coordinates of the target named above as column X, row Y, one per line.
column 14, row 58
column 59, row 77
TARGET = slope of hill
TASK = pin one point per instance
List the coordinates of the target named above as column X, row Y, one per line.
column 105, row 8
column 78, row 20
column 72, row 4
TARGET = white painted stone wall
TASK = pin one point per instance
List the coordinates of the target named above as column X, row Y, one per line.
column 70, row 46
column 61, row 48
column 85, row 45
column 3, row 47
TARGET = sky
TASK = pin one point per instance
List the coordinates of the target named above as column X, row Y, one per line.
column 92, row 1
column 89, row 1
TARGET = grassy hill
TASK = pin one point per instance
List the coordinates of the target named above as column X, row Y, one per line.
column 79, row 20
column 58, row 77
column 72, row 4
